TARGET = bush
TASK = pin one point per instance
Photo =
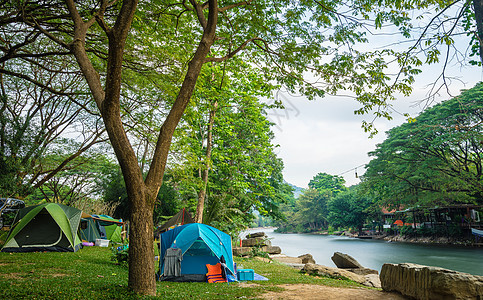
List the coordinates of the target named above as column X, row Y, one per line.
column 424, row 231
column 407, row 231
column 455, row 230
column 120, row 255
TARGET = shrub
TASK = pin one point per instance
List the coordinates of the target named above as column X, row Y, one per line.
column 407, row 231
column 120, row 255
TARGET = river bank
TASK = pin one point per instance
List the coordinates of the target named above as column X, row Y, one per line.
column 439, row 240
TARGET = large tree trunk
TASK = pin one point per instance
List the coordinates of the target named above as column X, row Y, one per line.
column 209, row 141
column 141, row 251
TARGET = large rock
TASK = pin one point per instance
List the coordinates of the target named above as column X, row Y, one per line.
column 363, row 271
column 255, row 234
column 282, row 258
column 314, row 269
column 345, row 261
column 257, row 241
column 371, row 280
column 424, row 282
column 272, row 249
column 307, row 258
column 240, row 251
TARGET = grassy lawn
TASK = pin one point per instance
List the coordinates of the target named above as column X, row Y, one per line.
column 90, row 274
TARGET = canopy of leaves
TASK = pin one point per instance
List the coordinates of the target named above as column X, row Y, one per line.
column 437, row 159
column 324, row 182
column 349, row 209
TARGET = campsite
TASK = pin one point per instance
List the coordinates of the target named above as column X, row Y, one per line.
column 49, row 253
column 90, row 274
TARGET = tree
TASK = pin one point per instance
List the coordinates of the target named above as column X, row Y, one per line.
column 228, row 157
column 349, row 209
column 436, row 32
column 312, row 209
column 437, row 159
column 324, row 182
column 310, row 212
column 114, row 194
column 34, row 124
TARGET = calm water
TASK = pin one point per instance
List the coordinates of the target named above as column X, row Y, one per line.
column 374, row 253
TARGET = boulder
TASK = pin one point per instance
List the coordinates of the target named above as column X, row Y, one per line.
column 255, row 234
column 363, row 271
column 272, row 249
column 345, row 261
column 286, row 259
column 295, row 266
column 257, row 241
column 240, row 251
column 424, row 282
column 314, row 269
column 372, row 280
column 307, row 258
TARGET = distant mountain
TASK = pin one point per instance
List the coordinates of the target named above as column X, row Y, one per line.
column 297, row 190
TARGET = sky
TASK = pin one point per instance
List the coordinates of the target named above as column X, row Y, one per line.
column 324, row 135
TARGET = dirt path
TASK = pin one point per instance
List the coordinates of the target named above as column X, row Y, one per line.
column 309, row 291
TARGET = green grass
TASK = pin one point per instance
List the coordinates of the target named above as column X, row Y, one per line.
column 90, row 274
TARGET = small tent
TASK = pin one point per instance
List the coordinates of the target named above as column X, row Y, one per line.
column 109, row 227
column 88, row 229
column 200, row 245
column 45, row 227
column 181, row 218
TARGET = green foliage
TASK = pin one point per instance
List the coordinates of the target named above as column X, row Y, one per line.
column 244, row 173
column 349, row 209
column 327, row 204
column 435, row 160
column 120, row 255
column 451, row 230
column 168, row 202
column 324, row 182
column 407, row 231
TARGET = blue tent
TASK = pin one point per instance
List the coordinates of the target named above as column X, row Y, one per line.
column 200, row 244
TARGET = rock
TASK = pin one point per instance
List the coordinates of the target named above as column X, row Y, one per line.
column 314, row 269
column 345, row 261
column 257, row 241
column 363, row 271
column 372, row 280
column 424, row 282
column 286, row 259
column 307, row 258
column 272, row 249
column 239, row 251
column 295, row 266
column 255, row 234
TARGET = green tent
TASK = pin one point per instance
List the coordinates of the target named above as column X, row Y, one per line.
column 88, row 229
column 109, row 227
column 45, row 227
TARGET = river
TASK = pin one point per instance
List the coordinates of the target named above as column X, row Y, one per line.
column 374, row 253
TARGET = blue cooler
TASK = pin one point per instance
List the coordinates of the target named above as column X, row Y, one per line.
column 245, row 274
